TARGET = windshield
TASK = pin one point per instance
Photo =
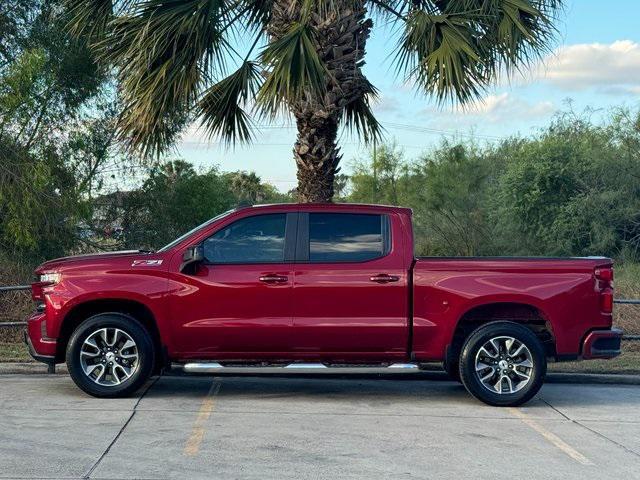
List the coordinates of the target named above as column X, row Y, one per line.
column 194, row 230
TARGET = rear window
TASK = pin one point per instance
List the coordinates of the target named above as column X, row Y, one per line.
column 347, row 237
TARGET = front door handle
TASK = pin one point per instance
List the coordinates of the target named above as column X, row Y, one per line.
column 271, row 278
column 384, row 278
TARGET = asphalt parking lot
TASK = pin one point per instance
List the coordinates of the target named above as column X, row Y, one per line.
column 296, row 427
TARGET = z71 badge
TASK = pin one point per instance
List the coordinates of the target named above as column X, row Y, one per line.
column 146, row 263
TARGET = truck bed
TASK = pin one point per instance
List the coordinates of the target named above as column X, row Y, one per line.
column 558, row 292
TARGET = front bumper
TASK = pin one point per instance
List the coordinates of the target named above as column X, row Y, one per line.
column 602, row 344
column 41, row 348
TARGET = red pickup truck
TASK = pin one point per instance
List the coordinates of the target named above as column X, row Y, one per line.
column 314, row 285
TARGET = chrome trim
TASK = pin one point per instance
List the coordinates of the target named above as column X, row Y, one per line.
column 306, row 365
column 212, row 367
column 410, row 366
column 202, row 367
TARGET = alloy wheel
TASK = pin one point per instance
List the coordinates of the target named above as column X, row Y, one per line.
column 109, row 356
column 504, row 365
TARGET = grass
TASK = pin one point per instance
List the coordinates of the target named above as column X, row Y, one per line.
column 627, row 317
column 626, row 364
column 627, row 285
column 14, row 352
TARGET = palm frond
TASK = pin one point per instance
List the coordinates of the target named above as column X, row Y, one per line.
column 294, row 69
column 221, row 106
column 163, row 50
column 456, row 48
column 390, row 9
column 517, row 32
column 88, row 18
column 258, row 11
column 358, row 115
column 439, row 53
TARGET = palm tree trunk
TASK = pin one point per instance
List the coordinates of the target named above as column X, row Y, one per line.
column 341, row 37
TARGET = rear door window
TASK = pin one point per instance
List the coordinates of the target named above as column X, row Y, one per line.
column 347, row 237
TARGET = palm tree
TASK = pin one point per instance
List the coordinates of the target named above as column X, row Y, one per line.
column 225, row 62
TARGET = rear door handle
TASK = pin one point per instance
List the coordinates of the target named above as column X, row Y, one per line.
column 384, row 278
column 271, row 278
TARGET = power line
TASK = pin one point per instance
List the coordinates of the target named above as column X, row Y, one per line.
column 414, row 128
column 392, row 125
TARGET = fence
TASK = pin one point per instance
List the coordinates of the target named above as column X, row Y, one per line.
column 622, row 301
column 51, row 368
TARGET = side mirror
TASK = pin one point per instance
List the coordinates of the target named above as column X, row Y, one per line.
column 191, row 257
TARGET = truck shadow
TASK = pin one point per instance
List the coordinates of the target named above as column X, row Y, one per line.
column 326, row 385
column 417, row 389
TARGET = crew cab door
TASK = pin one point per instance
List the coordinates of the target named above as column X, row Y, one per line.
column 238, row 302
column 351, row 289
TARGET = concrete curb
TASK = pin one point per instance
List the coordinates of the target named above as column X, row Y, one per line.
column 594, row 378
column 25, row 368
column 16, row 368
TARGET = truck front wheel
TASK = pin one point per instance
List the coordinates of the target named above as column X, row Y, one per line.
column 503, row 364
column 110, row 355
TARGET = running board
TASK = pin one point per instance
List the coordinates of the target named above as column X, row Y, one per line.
column 213, row 367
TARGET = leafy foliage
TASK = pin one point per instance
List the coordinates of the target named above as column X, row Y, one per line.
column 163, row 49
column 573, row 190
column 295, row 68
column 47, row 80
column 358, row 115
column 175, row 198
column 174, row 57
column 223, row 106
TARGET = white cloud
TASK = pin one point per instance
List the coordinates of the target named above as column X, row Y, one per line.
column 613, row 67
column 506, row 104
column 498, row 108
column 386, row 104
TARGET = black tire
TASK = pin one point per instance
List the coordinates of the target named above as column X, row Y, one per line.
column 477, row 388
column 143, row 365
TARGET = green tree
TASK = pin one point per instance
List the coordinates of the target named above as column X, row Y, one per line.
column 247, row 187
column 450, row 196
column 179, row 60
column 446, row 188
column 572, row 191
column 172, row 200
column 46, row 79
column 383, row 179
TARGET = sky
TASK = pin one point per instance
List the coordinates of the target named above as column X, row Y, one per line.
column 595, row 63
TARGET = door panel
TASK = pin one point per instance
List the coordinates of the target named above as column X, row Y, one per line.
column 241, row 308
column 345, row 309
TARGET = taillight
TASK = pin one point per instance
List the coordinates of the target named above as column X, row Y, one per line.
column 606, row 302
column 604, row 278
column 604, row 274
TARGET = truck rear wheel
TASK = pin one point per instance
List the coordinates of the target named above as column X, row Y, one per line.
column 503, row 364
column 110, row 355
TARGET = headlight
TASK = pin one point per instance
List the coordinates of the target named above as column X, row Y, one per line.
column 49, row 278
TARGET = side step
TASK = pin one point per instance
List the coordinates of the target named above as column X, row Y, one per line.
column 213, row 367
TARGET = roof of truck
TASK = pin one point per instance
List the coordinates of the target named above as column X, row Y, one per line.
column 364, row 206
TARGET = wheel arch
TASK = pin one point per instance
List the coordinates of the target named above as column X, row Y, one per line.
column 132, row 308
column 523, row 313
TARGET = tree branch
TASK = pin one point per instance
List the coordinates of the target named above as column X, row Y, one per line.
column 384, row 6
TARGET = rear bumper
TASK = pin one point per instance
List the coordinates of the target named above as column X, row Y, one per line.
column 41, row 348
column 602, row 344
